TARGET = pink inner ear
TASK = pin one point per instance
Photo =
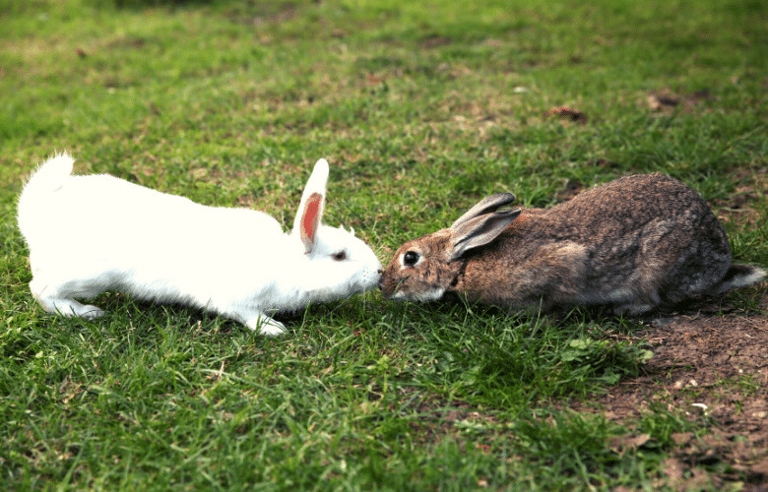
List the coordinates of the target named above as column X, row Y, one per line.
column 311, row 219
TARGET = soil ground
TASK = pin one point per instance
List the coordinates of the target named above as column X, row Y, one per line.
column 709, row 366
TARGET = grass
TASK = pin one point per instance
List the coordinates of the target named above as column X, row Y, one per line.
column 421, row 108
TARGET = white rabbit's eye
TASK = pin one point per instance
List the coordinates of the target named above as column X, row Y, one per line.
column 410, row 258
column 340, row 256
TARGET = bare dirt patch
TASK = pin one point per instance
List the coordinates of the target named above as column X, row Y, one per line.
column 666, row 101
column 708, row 367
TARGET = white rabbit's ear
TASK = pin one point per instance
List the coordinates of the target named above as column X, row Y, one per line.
column 310, row 220
column 310, row 213
column 479, row 231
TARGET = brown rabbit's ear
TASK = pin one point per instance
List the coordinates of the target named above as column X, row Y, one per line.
column 484, row 206
column 479, row 231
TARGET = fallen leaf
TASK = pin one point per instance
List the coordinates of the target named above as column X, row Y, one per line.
column 622, row 444
column 682, row 438
column 566, row 113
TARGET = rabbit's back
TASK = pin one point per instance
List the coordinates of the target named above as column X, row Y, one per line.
column 627, row 205
column 157, row 246
column 633, row 243
column 110, row 216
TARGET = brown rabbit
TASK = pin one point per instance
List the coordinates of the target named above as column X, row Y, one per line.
column 634, row 244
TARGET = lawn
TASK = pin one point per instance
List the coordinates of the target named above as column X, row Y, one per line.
column 421, row 108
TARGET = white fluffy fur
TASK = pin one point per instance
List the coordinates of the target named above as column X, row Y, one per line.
column 90, row 234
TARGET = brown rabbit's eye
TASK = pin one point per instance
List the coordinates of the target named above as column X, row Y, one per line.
column 340, row 256
column 410, row 258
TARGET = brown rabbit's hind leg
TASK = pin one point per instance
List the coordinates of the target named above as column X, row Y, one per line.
column 671, row 267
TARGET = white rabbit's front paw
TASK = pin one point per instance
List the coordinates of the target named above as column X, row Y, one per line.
column 265, row 325
column 272, row 329
column 635, row 309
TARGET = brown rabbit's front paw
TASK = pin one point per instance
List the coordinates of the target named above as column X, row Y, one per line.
column 634, row 309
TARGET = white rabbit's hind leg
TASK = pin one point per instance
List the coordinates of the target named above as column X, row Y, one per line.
column 57, row 301
column 69, row 308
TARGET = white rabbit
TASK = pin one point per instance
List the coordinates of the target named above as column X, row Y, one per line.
column 97, row 233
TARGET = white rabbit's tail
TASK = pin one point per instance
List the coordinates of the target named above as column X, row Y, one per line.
column 48, row 179
column 51, row 174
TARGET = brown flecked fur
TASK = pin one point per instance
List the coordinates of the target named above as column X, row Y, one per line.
column 635, row 244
